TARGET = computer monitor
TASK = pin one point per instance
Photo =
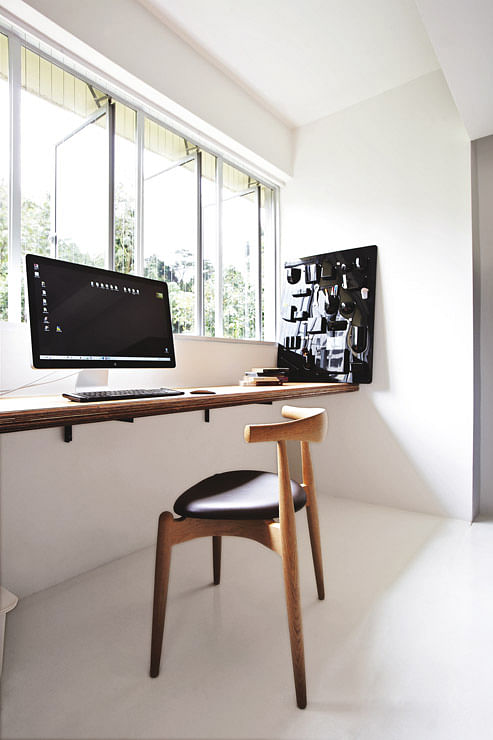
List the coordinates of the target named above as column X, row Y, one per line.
column 87, row 317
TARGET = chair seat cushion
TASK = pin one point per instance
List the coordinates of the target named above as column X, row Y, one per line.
column 237, row 494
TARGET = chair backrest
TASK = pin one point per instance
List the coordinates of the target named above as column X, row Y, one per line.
column 308, row 425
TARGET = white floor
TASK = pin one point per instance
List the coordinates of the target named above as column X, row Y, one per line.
column 402, row 647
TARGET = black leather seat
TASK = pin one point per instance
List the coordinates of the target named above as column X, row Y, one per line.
column 237, row 494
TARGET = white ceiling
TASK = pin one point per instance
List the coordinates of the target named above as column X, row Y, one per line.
column 462, row 34
column 306, row 59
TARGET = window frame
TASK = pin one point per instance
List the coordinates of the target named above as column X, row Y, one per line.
column 143, row 110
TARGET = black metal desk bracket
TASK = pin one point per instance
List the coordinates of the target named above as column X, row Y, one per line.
column 207, row 412
column 67, row 429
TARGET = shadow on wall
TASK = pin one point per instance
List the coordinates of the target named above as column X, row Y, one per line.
column 388, row 443
column 384, row 475
column 363, row 460
column 381, row 381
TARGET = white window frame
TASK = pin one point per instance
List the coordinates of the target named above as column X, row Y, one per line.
column 268, row 330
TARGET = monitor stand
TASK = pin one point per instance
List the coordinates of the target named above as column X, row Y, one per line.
column 92, row 380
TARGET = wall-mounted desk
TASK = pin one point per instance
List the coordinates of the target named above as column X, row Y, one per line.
column 21, row 413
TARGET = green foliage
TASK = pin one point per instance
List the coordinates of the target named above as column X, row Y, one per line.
column 35, row 235
column 180, row 277
column 69, row 251
column 182, row 309
column 238, row 305
column 124, row 232
column 209, row 299
column 35, row 227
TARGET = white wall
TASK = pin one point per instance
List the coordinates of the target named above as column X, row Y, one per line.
column 66, row 508
column 483, row 267
column 395, row 171
column 195, row 90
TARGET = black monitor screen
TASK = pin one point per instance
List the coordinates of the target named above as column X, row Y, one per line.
column 88, row 317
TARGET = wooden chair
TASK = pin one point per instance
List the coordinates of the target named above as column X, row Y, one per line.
column 244, row 503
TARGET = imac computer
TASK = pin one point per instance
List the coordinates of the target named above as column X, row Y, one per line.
column 93, row 319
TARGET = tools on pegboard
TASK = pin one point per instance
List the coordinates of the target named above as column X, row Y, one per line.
column 327, row 316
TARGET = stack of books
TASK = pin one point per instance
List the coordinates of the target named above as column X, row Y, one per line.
column 265, row 376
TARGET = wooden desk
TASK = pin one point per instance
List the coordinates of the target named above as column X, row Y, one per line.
column 20, row 413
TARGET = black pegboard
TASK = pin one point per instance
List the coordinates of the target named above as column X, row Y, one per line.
column 327, row 316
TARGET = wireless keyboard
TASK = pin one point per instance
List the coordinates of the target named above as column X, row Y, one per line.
column 125, row 395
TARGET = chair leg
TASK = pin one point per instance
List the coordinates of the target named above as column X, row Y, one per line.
column 291, row 578
column 216, row 558
column 314, row 530
column 161, row 578
column 292, row 590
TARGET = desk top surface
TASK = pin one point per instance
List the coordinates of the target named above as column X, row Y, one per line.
column 37, row 412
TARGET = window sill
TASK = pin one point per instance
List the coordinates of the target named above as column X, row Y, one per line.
column 227, row 340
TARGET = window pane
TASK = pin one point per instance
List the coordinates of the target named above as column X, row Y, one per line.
column 81, row 217
column 170, row 219
column 267, row 264
column 240, row 258
column 125, row 187
column 209, row 241
column 53, row 104
column 4, row 175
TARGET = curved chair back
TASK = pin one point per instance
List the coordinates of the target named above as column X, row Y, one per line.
column 307, row 425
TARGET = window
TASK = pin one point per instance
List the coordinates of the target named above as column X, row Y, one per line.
column 98, row 180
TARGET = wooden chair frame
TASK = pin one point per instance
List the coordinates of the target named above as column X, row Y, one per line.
column 307, row 425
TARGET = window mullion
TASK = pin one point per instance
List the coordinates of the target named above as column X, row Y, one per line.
column 53, row 213
column 199, row 263
column 139, row 216
column 219, row 250
column 111, row 187
column 258, row 278
column 15, row 197
column 275, row 240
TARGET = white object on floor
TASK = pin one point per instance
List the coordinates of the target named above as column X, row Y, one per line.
column 8, row 602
